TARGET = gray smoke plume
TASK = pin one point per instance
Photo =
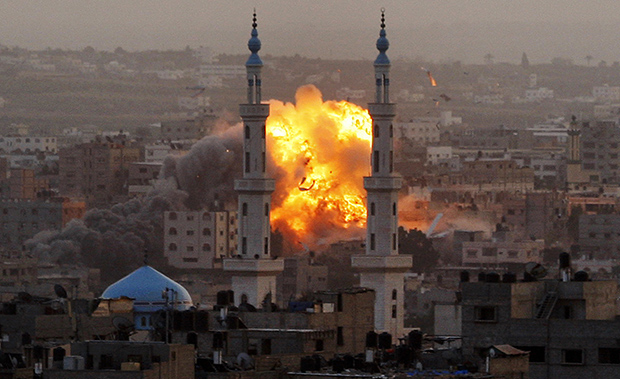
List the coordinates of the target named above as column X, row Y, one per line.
column 114, row 240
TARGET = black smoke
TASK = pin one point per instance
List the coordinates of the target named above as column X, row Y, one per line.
column 115, row 239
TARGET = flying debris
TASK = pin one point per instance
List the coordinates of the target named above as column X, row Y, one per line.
column 445, row 97
column 305, row 188
column 430, row 77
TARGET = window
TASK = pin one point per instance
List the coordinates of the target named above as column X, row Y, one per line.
column 206, row 232
column 190, row 260
column 485, row 314
column 394, row 241
column 393, row 209
column 372, row 209
column 172, row 231
column 537, row 353
column 318, row 345
column 190, row 232
column 376, row 161
column 244, row 209
column 190, row 248
column 172, row 216
column 609, row 355
column 266, row 248
column 376, row 131
column 340, row 336
column 394, row 294
column 206, row 217
column 244, row 245
column 489, row 251
column 572, row 356
column 372, row 241
column 267, row 209
column 513, row 254
column 394, row 312
column 206, row 247
column 247, row 132
column 472, row 253
column 247, row 162
column 172, row 247
column 190, row 217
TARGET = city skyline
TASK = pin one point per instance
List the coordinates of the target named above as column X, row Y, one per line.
column 448, row 30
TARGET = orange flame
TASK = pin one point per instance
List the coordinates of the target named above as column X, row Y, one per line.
column 321, row 152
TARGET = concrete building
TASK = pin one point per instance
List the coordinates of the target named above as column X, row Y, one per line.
column 20, row 220
column 254, row 274
column 599, row 236
column 502, row 252
column 569, row 328
column 422, row 131
column 96, row 172
column 195, row 239
column 24, row 185
column 28, row 144
column 301, row 277
column 142, row 177
column 381, row 267
column 127, row 359
column 606, row 93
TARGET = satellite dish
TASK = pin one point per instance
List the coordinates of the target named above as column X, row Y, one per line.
column 536, row 270
column 122, row 324
column 60, row 291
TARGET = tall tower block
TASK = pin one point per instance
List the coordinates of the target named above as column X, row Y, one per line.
column 254, row 272
column 381, row 268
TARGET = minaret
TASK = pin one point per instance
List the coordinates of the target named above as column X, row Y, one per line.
column 254, row 271
column 381, row 268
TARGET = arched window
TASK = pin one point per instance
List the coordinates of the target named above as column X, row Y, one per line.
column 206, row 232
column 372, row 209
column 394, row 209
column 394, row 294
column 172, row 231
column 206, row 247
column 206, row 217
column 247, row 132
column 172, row 247
column 244, row 209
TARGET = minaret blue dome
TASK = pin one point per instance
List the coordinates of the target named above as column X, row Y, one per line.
column 382, row 43
column 145, row 286
column 254, row 45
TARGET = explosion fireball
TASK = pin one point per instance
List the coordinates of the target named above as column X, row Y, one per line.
column 320, row 151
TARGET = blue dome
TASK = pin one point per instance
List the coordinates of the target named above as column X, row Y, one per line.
column 145, row 286
column 382, row 43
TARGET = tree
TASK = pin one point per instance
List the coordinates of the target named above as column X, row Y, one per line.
column 421, row 249
column 525, row 63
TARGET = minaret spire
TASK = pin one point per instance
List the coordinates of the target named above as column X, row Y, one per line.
column 254, row 65
column 382, row 268
column 254, row 274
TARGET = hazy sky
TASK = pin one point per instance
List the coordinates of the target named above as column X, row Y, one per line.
column 439, row 30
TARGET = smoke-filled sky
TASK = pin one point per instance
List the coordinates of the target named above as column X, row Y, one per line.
column 345, row 29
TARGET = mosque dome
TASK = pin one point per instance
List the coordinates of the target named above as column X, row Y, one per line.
column 147, row 286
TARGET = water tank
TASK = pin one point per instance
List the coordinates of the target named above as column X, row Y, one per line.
column 371, row 340
column 492, row 277
column 482, row 277
column 415, row 339
column 581, row 276
column 307, row 364
column 385, row 340
column 218, row 340
column 338, row 365
column 223, row 298
column 464, row 276
column 509, row 277
column 564, row 260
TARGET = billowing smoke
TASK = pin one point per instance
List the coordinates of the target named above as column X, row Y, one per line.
column 114, row 240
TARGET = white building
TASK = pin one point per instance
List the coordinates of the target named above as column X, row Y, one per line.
column 538, row 94
column 438, row 154
column 194, row 239
column 348, row 93
column 423, row 130
column 606, row 93
column 28, row 145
